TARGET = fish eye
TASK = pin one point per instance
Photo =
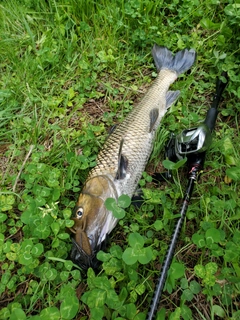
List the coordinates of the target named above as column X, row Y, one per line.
column 79, row 212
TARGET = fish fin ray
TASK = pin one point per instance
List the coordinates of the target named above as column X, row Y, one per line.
column 171, row 97
column 122, row 163
column 154, row 113
column 180, row 62
column 112, row 129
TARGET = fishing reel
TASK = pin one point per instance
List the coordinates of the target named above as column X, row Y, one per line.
column 193, row 143
column 188, row 142
column 197, row 140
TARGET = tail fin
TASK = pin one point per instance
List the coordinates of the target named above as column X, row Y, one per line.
column 181, row 62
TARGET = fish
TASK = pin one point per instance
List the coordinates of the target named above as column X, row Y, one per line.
column 123, row 158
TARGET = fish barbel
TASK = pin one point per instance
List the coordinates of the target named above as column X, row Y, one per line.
column 123, row 158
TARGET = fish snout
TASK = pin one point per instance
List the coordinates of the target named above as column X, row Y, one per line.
column 84, row 247
column 85, row 259
column 80, row 236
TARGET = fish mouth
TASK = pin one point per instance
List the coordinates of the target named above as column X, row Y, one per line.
column 84, row 260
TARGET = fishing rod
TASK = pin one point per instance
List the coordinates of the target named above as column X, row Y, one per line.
column 193, row 144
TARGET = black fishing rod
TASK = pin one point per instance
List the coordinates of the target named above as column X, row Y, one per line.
column 193, row 144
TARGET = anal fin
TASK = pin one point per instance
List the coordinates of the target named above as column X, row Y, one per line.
column 171, row 97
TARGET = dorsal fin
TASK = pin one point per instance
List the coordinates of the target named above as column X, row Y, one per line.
column 153, row 118
column 122, row 163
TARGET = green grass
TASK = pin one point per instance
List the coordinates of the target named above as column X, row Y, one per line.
column 69, row 70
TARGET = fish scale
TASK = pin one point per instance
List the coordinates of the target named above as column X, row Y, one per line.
column 136, row 135
column 123, row 158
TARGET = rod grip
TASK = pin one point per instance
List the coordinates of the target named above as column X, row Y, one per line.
column 211, row 117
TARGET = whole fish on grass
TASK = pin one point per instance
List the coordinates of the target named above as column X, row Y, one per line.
column 123, row 158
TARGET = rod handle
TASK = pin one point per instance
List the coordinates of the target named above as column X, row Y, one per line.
column 220, row 86
column 211, row 118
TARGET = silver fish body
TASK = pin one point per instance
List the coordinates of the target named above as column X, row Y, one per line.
column 123, row 158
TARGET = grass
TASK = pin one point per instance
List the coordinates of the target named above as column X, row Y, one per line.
column 69, row 71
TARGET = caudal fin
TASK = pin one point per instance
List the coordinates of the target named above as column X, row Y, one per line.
column 180, row 62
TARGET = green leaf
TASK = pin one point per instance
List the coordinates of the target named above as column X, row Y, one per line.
column 184, row 283
column 200, row 271
column 145, row 255
column 97, row 313
column 18, row 314
column 112, row 300
column 129, row 256
column 51, row 274
column 76, row 274
column 233, row 10
column 211, row 267
column 112, row 205
column 131, row 310
column 187, row 295
column 69, row 307
column 124, row 201
column 103, row 256
column 6, row 202
column 195, row 287
column 63, row 236
column 50, row 313
column 64, row 275
column 212, row 236
column 95, row 298
column 37, row 249
column 68, row 264
column 55, row 194
column 5, row 277
column 233, row 173
column 172, row 165
column 140, row 289
column 4, row 312
column 136, row 240
column 218, row 311
column 26, row 246
column 176, row 314
column 25, row 258
column 55, row 227
column 186, row 313
column 199, row 240
column 3, row 217
column 206, row 23
column 180, row 163
column 42, row 229
column 102, row 283
column 168, row 164
column 40, row 201
column 158, row 225
column 1, row 241
column 116, row 251
column 112, row 266
column 231, row 252
column 177, row 270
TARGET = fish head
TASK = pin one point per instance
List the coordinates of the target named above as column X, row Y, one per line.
column 92, row 221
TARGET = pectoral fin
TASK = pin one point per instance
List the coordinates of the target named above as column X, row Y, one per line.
column 122, row 163
column 153, row 118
